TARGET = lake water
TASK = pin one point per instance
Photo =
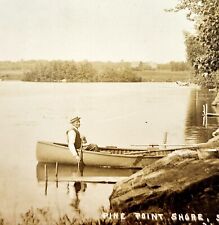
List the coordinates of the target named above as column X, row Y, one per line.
column 121, row 114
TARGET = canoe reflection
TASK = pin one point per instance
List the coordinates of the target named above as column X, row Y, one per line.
column 63, row 172
column 77, row 177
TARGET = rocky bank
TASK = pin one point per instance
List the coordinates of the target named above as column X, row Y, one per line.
column 180, row 182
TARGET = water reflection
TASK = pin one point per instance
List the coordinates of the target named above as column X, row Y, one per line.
column 198, row 130
column 77, row 181
column 79, row 176
column 78, row 187
column 68, row 173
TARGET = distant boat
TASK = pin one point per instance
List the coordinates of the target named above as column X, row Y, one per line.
column 49, row 152
column 180, row 83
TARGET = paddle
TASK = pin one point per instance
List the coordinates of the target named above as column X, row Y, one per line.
column 80, row 161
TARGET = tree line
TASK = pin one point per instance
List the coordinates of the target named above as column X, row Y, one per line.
column 85, row 71
column 70, row 71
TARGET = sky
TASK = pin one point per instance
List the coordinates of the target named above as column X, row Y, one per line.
column 93, row 30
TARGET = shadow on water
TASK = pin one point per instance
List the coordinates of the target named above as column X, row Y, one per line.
column 195, row 129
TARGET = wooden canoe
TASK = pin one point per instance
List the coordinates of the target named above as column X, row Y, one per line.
column 49, row 152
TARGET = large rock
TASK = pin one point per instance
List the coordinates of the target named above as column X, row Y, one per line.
column 179, row 182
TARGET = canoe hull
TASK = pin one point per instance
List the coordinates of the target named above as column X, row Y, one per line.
column 49, row 152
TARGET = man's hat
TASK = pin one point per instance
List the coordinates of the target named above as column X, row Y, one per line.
column 75, row 119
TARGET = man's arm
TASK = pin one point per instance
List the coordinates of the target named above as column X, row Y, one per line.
column 71, row 141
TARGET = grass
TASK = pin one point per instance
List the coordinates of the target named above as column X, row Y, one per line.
column 44, row 217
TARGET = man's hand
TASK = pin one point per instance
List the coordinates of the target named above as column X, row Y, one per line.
column 84, row 140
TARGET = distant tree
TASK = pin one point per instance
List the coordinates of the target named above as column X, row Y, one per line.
column 108, row 75
column 140, row 66
column 81, row 72
column 70, row 71
column 174, row 66
column 178, row 66
column 86, row 72
column 143, row 66
column 163, row 66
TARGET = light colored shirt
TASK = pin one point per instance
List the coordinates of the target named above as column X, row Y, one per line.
column 71, row 141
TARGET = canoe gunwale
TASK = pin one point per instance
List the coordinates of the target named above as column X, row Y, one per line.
column 49, row 152
column 107, row 153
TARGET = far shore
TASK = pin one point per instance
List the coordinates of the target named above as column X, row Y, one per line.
column 145, row 76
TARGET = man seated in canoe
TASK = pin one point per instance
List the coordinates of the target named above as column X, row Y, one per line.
column 76, row 142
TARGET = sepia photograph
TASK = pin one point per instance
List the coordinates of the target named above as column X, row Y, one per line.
column 109, row 112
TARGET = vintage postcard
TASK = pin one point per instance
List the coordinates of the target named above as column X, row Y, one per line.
column 104, row 118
